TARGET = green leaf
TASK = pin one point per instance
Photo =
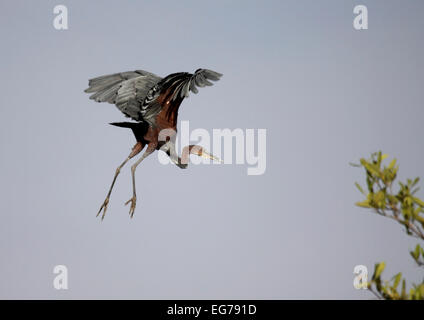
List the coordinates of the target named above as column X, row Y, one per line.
column 379, row 267
column 360, row 188
column 397, row 278
column 355, row 165
column 420, row 289
column 416, row 253
column 417, row 179
column 418, row 201
column 372, row 168
column 363, row 204
column 380, row 199
column 392, row 164
column 403, row 294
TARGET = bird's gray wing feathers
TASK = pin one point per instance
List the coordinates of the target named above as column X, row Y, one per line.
column 126, row 89
column 199, row 79
column 131, row 95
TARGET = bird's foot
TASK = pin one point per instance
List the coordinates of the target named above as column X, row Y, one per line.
column 133, row 201
column 104, row 208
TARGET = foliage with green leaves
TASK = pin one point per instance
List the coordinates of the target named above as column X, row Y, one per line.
column 402, row 206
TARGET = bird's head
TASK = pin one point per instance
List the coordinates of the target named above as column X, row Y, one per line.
column 201, row 152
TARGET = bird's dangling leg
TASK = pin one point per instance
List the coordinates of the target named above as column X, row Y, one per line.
column 150, row 148
column 135, row 150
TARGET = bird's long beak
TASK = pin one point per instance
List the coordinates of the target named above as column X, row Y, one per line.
column 207, row 155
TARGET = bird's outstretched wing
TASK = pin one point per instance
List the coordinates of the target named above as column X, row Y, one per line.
column 172, row 89
column 185, row 82
column 127, row 90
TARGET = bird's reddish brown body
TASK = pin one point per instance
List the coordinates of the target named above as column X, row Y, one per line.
column 166, row 119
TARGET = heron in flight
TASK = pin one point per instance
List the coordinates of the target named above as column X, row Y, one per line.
column 152, row 102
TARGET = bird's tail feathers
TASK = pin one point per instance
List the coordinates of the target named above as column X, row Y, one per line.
column 125, row 124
